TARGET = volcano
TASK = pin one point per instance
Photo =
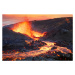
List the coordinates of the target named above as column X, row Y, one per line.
column 38, row 40
column 26, row 29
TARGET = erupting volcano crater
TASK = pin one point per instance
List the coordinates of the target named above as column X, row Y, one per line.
column 25, row 28
column 38, row 40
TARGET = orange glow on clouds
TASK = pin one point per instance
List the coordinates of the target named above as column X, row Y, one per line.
column 15, row 18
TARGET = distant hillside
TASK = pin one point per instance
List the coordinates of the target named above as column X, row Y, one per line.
column 57, row 23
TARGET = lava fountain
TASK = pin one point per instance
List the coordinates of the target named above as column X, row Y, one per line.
column 26, row 29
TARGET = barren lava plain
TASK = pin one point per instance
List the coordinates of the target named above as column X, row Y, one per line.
column 44, row 40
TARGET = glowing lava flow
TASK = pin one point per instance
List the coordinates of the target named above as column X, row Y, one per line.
column 25, row 28
column 34, row 53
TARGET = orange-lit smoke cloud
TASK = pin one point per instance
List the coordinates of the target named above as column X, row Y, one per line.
column 15, row 18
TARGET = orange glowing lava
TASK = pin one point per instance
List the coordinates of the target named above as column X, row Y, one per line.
column 25, row 28
column 34, row 53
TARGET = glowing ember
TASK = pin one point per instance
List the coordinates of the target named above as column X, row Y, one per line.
column 25, row 28
column 67, row 20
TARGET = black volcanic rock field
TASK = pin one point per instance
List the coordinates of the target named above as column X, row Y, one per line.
column 58, row 30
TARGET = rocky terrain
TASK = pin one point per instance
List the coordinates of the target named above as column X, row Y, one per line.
column 58, row 30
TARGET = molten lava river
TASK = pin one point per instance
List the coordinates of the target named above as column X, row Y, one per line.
column 44, row 50
column 48, row 51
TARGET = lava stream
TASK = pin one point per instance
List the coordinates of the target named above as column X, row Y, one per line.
column 42, row 50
